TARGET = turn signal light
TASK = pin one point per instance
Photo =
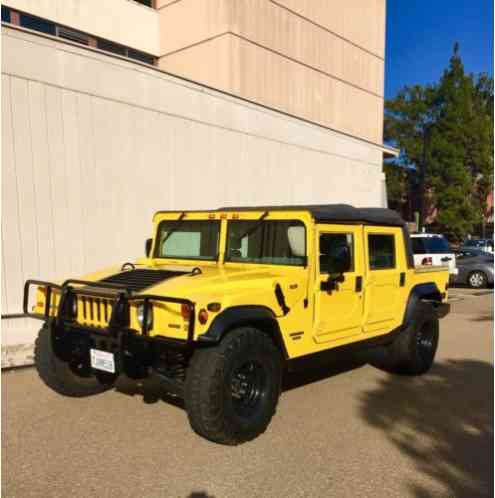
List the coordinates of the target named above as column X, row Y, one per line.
column 203, row 316
column 215, row 307
column 185, row 311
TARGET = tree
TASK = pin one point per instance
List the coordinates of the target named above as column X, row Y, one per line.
column 445, row 133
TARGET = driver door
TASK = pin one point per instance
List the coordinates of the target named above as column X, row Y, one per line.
column 339, row 312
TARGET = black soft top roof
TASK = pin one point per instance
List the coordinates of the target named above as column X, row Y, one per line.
column 336, row 213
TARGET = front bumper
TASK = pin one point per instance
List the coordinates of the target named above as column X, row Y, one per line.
column 120, row 296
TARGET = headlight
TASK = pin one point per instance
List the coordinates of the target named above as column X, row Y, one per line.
column 140, row 315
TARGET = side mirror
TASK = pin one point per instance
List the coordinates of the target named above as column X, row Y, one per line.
column 147, row 247
column 339, row 260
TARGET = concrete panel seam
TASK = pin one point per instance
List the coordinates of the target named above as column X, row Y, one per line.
column 198, row 121
column 327, row 30
column 297, row 61
column 211, row 38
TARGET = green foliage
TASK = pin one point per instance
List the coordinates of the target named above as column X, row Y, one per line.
column 445, row 132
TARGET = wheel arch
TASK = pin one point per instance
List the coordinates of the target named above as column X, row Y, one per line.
column 419, row 295
column 260, row 317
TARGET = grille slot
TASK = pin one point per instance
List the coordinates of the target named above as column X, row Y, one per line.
column 95, row 311
column 137, row 280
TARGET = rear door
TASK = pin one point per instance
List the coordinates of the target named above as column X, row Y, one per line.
column 385, row 278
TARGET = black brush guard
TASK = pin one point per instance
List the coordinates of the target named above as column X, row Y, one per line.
column 119, row 318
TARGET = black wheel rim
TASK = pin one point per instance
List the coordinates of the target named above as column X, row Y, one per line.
column 425, row 342
column 248, row 387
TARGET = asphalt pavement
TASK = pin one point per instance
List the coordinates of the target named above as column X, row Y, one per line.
column 349, row 430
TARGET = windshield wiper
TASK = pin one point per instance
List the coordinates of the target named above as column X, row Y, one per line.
column 179, row 222
column 250, row 230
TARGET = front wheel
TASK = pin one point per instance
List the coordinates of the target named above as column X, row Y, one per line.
column 232, row 390
column 477, row 280
column 73, row 378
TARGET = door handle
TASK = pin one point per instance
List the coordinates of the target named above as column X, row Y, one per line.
column 359, row 284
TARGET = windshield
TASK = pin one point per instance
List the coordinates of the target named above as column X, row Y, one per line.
column 188, row 240
column 430, row 245
column 266, row 242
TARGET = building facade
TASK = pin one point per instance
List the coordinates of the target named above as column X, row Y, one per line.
column 97, row 134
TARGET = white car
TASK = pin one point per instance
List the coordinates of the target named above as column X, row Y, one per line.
column 433, row 250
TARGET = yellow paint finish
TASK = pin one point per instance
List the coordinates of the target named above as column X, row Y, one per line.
column 326, row 320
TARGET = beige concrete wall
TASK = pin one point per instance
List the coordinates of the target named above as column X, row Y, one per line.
column 283, row 58
column 122, row 21
column 92, row 145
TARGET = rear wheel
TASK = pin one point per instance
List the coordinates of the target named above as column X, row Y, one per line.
column 413, row 352
column 477, row 280
column 232, row 390
column 73, row 378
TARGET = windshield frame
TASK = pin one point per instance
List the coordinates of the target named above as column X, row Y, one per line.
column 182, row 222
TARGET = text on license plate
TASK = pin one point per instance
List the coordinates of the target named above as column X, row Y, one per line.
column 102, row 360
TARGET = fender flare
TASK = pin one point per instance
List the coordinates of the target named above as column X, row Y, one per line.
column 237, row 316
column 420, row 293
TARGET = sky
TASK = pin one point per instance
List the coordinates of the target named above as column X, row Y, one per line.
column 421, row 36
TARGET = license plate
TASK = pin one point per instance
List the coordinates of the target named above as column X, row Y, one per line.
column 102, row 360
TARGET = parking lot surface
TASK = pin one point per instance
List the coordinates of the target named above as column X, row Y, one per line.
column 350, row 430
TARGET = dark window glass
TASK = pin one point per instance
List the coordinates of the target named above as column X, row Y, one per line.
column 430, row 245
column 73, row 35
column 111, row 47
column 266, row 242
column 37, row 24
column 188, row 240
column 381, row 251
column 140, row 56
column 331, row 247
column 418, row 246
column 5, row 14
column 148, row 3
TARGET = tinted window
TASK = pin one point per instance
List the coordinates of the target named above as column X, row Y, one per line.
column 430, row 245
column 111, row 47
column 140, row 56
column 332, row 244
column 266, row 242
column 37, row 24
column 381, row 251
column 5, row 14
column 188, row 240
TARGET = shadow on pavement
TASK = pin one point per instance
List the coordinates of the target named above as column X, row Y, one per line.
column 443, row 421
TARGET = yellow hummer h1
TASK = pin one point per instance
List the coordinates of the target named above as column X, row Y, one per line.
column 226, row 299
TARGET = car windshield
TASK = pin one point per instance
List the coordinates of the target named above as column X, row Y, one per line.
column 266, row 242
column 189, row 239
column 430, row 245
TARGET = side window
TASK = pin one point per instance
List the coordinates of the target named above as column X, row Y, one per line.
column 333, row 246
column 381, row 251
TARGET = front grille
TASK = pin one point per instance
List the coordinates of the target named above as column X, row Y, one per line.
column 137, row 280
column 94, row 311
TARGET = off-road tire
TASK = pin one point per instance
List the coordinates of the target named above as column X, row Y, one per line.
column 212, row 403
column 413, row 351
column 477, row 280
column 58, row 375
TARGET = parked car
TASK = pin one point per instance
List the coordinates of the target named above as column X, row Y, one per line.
column 475, row 268
column 485, row 245
column 433, row 250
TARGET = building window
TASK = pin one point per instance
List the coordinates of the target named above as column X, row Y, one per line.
column 140, row 56
column 5, row 14
column 111, row 47
column 381, row 251
column 148, row 3
column 72, row 35
column 37, row 24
